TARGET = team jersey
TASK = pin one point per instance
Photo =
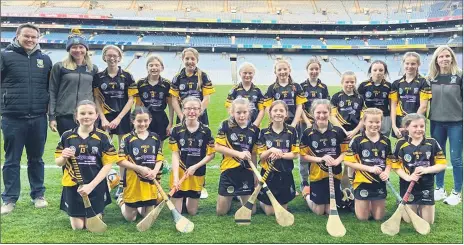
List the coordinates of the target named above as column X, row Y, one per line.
column 347, row 109
column 409, row 156
column 319, row 91
column 408, row 95
column 317, row 144
column 363, row 151
column 154, row 98
column 90, row 155
column 236, row 138
column 254, row 95
column 112, row 91
column 287, row 141
column 291, row 94
column 183, row 86
column 376, row 96
column 192, row 146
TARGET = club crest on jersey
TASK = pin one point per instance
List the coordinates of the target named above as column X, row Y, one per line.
column 453, row 79
column 314, row 144
column 293, row 94
column 287, row 143
column 254, row 98
column 341, row 104
column 365, row 153
column 230, row 189
column 416, row 90
column 333, row 142
column 306, row 94
column 121, row 86
column 72, row 148
column 182, row 142
column 428, row 154
column 383, row 154
column 233, row 137
column 268, row 143
column 94, row 150
column 182, row 87
column 145, row 95
column 200, row 142
column 245, row 185
column 104, row 86
column 355, row 105
column 407, row 158
column 135, row 151
column 277, row 96
column 161, row 94
column 363, row 193
column 368, row 94
column 153, row 150
column 40, row 63
column 250, row 140
column 400, row 91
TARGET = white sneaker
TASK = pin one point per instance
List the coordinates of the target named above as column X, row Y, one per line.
column 439, row 194
column 40, row 202
column 7, row 208
column 204, row 193
column 453, row 199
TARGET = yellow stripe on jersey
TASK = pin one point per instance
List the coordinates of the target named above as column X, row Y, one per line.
column 300, row 100
column 228, row 103
column 159, row 156
column 191, row 183
column 173, row 146
column 106, row 108
column 393, row 96
column 207, row 90
column 295, row 149
column 351, row 157
column 221, row 140
column 318, row 171
column 306, row 150
column 110, row 158
column 425, row 95
column 268, row 102
column 174, row 92
column 260, row 105
column 210, row 150
column 133, row 91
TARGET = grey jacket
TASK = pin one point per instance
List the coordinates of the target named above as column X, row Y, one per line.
column 68, row 87
column 447, row 94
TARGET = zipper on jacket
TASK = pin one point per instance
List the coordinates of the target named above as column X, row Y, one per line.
column 30, row 85
column 77, row 95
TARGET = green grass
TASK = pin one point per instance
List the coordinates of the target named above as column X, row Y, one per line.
column 51, row 225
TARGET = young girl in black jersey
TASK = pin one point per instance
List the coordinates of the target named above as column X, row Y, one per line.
column 321, row 147
column 246, row 89
column 409, row 94
column 279, row 144
column 369, row 154
column 236, row 140
column 418, row 159
column 288, row 91
column 192, row 147
column 86, row 154
column 376, row 92
column 143, row 159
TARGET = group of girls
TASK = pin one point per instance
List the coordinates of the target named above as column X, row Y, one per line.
column 352, row 127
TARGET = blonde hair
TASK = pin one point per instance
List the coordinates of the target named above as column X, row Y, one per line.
column 279, row 102
column 282, row 61
column 313, row 61
column 412, row 117
column 373, row 112
column 411, row 54
column 155, row 57
column 194, row 51
column 434, row 68
column 317, row 102
column 70, row 64
column 237, row 101
column 246, row 64
column 108, row 47
column 189, row 99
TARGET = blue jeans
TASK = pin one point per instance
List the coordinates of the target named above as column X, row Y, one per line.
column 452, row 130
column 17, row 134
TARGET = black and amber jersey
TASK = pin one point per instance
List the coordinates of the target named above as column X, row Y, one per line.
column 291, row 94
column 192, row 146
column 376, row 96
column 183, row 86
column 317, row 144
column 236, row 138
column 154, row 98
column 409, row 156
column 254, row 95
column 286, row 141
column 112, row 91
column 363, row 151
column 311, row 93
column 408, row 95
column 91, row 154
column 142, row 152
column 347, row 109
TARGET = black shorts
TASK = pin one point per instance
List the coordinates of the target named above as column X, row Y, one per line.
column 73, row 205
column 203, row 118
column 377, row 191
column 159, row 123
column 236, row 182
column 281, row 185
column 320, row 191
column 124, row 126
column 185, row 194
column 141, row 204
column 419, row 196
column 65, row 123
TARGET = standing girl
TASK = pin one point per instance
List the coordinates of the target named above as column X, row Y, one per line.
column 110, row 89
column 143, row 159
column 191, row 81
column 70, row 82
column 369, row 154
column 246, row 89
column 278, row 143
column 376, row 93
column 286, row 90
column 409, row 94
column 192, row 147
column 313, row 88
column 236, row 139
column 418, row 159
column 445, row 79
column 89, row 150
column 321, row 147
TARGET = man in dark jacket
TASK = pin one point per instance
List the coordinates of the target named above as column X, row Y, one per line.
column 25, row 73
